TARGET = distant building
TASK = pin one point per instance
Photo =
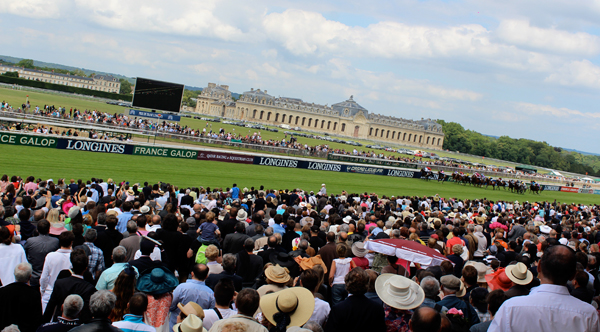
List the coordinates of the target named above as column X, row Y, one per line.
column 345, row 118
column 105, row 83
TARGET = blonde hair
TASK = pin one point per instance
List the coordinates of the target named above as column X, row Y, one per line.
column 53, row 216
column 212, row 252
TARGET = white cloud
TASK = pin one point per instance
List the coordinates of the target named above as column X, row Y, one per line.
column 562, row 112
column 577, row 73
column 522, row 34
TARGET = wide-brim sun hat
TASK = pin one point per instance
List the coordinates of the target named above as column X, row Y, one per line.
column 297, row 302
column 399, row 292
column 358, row 249
column 519, row 274
column 282, row 259
column 157, row 282
column 242, row 215
column 277, row 274
column 498, row 280
column 482, row 270
column 57, row 228
column 191, row 308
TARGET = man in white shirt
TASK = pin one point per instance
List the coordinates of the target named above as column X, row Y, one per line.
column 224, row 295
column 549, row 307
column 309, row 279
column 54, row 263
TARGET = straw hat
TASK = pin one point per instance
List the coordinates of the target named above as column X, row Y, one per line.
column 130, row 192
column 519, row 274
column 191, row 308
column 498, row 280
column 277, row 274
column 453, row 283
column 297, row 302
column 358, row 249
column 451, row 215
column 242, row 215
column 482, row 270
column 399, row 292
column 190, row 324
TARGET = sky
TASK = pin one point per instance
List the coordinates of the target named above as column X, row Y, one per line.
column 525, row 69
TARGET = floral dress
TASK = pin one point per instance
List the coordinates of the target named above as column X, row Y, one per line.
column 396, row 320
column 157, row 314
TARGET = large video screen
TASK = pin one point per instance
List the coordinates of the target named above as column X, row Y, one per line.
column 157, row 95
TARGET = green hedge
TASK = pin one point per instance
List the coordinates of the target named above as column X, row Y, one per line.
column 65, row 88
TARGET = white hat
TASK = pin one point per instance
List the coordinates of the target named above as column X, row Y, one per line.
column 399, row 292
column 563, row 241
column 323, row 185
column 347, row 219
column 545, row 229
column 242, row 215
column 519, row 274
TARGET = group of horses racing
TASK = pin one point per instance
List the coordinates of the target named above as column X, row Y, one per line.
column 479, row 180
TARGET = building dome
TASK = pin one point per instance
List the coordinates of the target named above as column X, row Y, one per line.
column 349, row 108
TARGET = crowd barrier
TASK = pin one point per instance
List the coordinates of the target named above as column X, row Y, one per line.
column 117, row 147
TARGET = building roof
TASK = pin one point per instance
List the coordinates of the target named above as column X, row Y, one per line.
column 216, row 90
column 349, row 108
column 49, row 73
column 258, row 93
column 106, row 78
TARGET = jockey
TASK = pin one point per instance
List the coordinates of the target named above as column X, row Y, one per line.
column 427, row 169
column 441, row 171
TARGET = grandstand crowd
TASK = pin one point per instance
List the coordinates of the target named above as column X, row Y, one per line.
column 99, row 255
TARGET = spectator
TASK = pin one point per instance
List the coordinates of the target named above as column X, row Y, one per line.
column 356, row 313
column 425, row 319
column 54, row 263
column 193, row 290
column 101, row 305
column 229, row 267
column 454, row 290
column 74, row 284
column 68, row 321
column 16, row 297
column 309, row 279
column 249, row 265
column 277, row 279
column 400, row 295
column 494, row 300
column 224, row 296
column 247, row 302
column 134, row 321
column 37, row 248
column 96, row 256
column 339, row 269
column 550, row 300
column 124, row 289
column 158, row 286
column 11, row 255
column 109, row 276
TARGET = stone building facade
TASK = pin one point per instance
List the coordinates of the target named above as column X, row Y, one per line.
column 97, row 82
column 346, row 118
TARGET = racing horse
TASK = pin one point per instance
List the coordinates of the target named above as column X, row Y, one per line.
column 442, row 177
column 517, row 187
column 535, row 188
column 426, row 173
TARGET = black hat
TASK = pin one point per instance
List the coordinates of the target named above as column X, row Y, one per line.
column 283, row 259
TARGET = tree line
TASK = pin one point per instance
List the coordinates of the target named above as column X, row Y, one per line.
column 521, row 150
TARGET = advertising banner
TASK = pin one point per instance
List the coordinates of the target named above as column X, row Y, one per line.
column 158, row 116
column 596, row 192
column 586, row 191
column 550, row 188
column 405, row 174
column 94, row 146
column 164, row 152
column 29, row 140
column 569, row 189
column 226, row 157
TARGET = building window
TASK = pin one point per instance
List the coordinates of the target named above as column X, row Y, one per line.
column 370, row 131
column 298, row 119
column 409, row 136
column 334, row 126
column 388, row 134
column 376, row 131
column 428, row 140
column 309, row 122
column 262, row 113
column 282, row 118
column 303, row 120
column 343, row 127
column 276, row 117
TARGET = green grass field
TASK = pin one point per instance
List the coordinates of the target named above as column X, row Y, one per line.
column 51, row 163
column 16, row 98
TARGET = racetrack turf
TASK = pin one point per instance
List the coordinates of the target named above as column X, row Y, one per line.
column 51, row 163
